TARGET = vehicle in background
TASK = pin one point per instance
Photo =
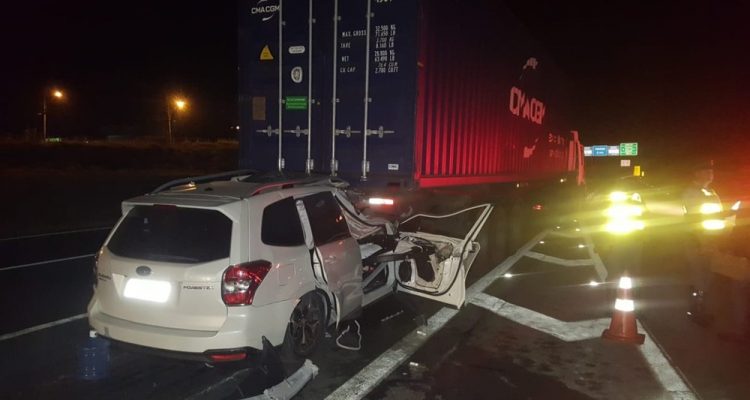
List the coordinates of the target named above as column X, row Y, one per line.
column 628, row 204
column 733, row 184
column 417, row 109
column 205, row 268
column 632, row 203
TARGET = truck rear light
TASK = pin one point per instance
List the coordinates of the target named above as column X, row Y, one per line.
column 240, row 282
column 379, row 201
column 228, row 357
column 537, row 207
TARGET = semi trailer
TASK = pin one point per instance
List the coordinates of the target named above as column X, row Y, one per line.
column 421, row 105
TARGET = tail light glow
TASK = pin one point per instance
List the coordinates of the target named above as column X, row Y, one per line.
column 228, row 357
column 241, row 281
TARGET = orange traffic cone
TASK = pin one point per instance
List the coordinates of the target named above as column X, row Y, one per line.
column 623, row 327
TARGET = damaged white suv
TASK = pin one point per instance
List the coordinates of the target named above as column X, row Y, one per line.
column 206, row 267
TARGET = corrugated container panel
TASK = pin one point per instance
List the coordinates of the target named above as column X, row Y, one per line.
column 442, row 76
column 469, row 63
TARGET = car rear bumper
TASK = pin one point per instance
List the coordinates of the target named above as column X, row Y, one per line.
column 248, row 354
column 243, row 328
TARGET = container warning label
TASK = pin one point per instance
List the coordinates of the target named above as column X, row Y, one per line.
column 265, row 54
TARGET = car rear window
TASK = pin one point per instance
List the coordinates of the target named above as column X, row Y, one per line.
column 173, row 234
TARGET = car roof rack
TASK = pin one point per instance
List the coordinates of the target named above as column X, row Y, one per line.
column 204, row 179
column 284, row 182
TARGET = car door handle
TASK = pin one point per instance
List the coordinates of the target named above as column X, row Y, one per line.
column 330, row 258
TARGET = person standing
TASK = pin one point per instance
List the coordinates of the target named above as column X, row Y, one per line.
column 697, row 246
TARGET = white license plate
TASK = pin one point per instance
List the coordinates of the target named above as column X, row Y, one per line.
column 149, row 290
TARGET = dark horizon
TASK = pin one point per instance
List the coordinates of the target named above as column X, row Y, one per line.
column 669, row 76
column 118, row 65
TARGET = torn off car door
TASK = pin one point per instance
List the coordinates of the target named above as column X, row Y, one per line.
column 439, row 251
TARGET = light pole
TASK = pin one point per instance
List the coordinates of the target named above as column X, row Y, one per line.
column 174, row 104
column 56, row 94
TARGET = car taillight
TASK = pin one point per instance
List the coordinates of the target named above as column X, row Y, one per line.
column 228, row 357
column 241, row 281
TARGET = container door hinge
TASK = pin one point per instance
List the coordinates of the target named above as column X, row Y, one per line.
column 297, row 131
column 270, row 132
column 346, row 132
column 379, row 132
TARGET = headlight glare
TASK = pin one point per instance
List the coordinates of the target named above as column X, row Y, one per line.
column 714, row 224
column 618, row 197
column 710, row 208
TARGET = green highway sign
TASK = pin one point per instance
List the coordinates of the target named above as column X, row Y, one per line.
column 295, row 103
column 628, row 149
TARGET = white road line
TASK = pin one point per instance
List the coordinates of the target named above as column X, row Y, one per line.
column 566, row 331
column 46, row 262
column 54, row 234
column 598, row 264
column 601, row 271
column 483, row 283
column 41, row 327
column 375, row 372
column 559, row 261
column 662, row 368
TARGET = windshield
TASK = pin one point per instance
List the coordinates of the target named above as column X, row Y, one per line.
column 173, row 234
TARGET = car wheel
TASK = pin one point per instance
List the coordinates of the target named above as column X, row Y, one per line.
column 306, row 325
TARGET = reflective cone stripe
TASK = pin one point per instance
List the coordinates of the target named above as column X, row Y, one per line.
column 623, row 327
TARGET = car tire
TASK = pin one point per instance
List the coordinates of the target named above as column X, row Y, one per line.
column 305, row 328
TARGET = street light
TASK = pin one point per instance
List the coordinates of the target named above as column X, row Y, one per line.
column 57, row 94
column 175, row 104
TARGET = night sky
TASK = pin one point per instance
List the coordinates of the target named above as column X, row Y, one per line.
column 117, row 62
column 671, row 75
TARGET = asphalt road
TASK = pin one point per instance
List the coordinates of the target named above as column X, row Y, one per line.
column 531, row 330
